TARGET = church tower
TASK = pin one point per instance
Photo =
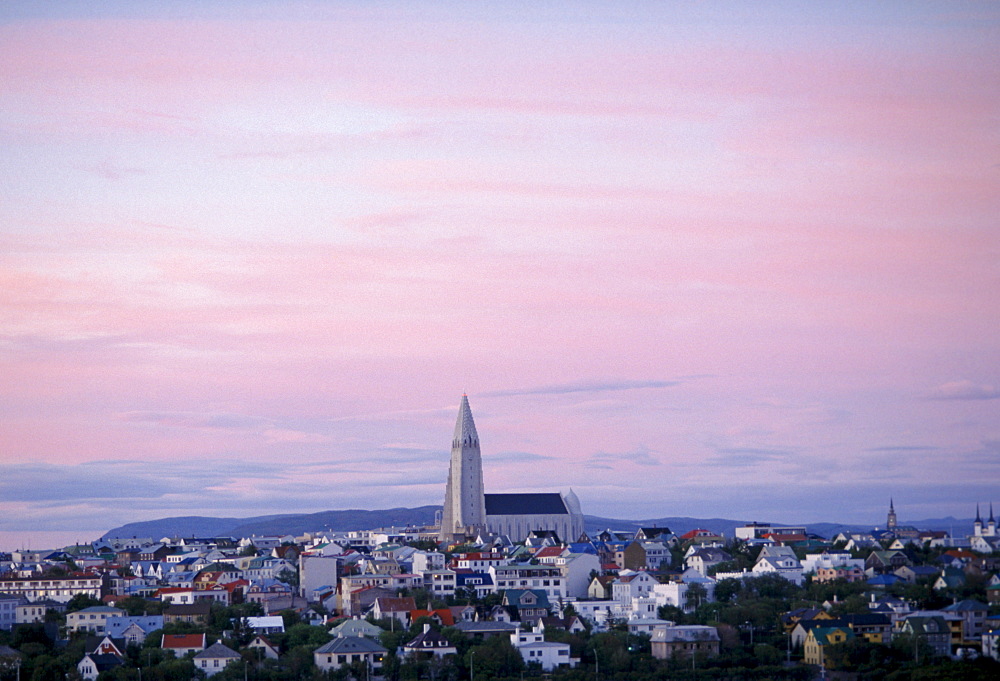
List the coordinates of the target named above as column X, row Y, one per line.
column 464, row 509
column 977, row 526
column 890, row 521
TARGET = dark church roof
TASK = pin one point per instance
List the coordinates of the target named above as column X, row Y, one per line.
column 549, row 503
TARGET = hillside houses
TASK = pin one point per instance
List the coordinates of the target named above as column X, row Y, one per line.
column 353, row 589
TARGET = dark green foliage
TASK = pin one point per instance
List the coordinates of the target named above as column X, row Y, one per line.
column 136, row 605
column 81, row 601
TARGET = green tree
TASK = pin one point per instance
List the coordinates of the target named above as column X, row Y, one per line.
column 80, row 601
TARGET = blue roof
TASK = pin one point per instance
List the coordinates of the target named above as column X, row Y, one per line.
column 885, row 580
column 548, row 503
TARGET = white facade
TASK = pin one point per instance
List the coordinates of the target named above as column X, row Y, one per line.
column 534, row 648
column 576, row 569
column 316, row 571
column 464, row 499
column 630, row 585
column 535, row 577
column 427, row 561
column 830, row 559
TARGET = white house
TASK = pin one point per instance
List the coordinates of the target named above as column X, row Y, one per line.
column 534, row 648
column 630, row 585
column 346, row 650
column 215, row 658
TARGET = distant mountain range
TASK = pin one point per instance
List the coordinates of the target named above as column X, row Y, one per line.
column 339, row 521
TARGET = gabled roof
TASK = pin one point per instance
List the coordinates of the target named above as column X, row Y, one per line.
column 967, row 606
column 105, row 662
column 217, row 650
column 920, row 624
column 176, row 641
column 343, row 645
column 517, row 597
column 399, row 604
column 429, row 639
column 444, row 615
column 823, row 634
column 356, row 627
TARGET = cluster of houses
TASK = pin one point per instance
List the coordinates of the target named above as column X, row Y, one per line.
column 963, row 625
column 346, row 581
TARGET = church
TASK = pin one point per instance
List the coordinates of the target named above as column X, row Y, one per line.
column 468, row 510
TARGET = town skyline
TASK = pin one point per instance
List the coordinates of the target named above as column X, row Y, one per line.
column 685, row 259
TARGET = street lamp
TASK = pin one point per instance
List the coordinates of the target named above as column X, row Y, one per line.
column 472, row 670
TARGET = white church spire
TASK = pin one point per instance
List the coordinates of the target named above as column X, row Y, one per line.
column 464, row 503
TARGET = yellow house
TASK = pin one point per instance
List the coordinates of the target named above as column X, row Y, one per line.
column 819, row 640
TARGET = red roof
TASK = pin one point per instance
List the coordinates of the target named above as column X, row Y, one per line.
column 171, row 641
column 232, row 586
column 444, row 614
column 785, row 537
column 549, row 552
column 697, row 533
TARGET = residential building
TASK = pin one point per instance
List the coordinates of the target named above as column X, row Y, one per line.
column 93, row 664
column 183, row 644
column 546, row 578
column 35, row 611
column 847, row 573
column 632, row 585
column 429, row 643
column 684, row 641
column 264, row 649
column 820, row 639
column 930, row 630
column 535, row 649
column 348, row 650
column 703, row 558
column 8, row 611
column 93, row 619
column 60, row 589
column 133, row 629
column 527, row 605
column 215, row 658
column 973, row 614
column 194, row 613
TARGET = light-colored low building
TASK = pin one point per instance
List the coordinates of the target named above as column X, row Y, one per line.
column 93, row 619
column 533, row 647
column 215, row 658
column 684, row 641
column 346, row 650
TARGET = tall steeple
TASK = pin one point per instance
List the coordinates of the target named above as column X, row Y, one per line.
column 977, row 526
column 464, row 503
column 890, row 522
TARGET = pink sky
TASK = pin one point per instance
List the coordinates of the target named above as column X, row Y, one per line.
column 688, row 259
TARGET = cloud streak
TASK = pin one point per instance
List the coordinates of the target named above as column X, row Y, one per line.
column 590, row 386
